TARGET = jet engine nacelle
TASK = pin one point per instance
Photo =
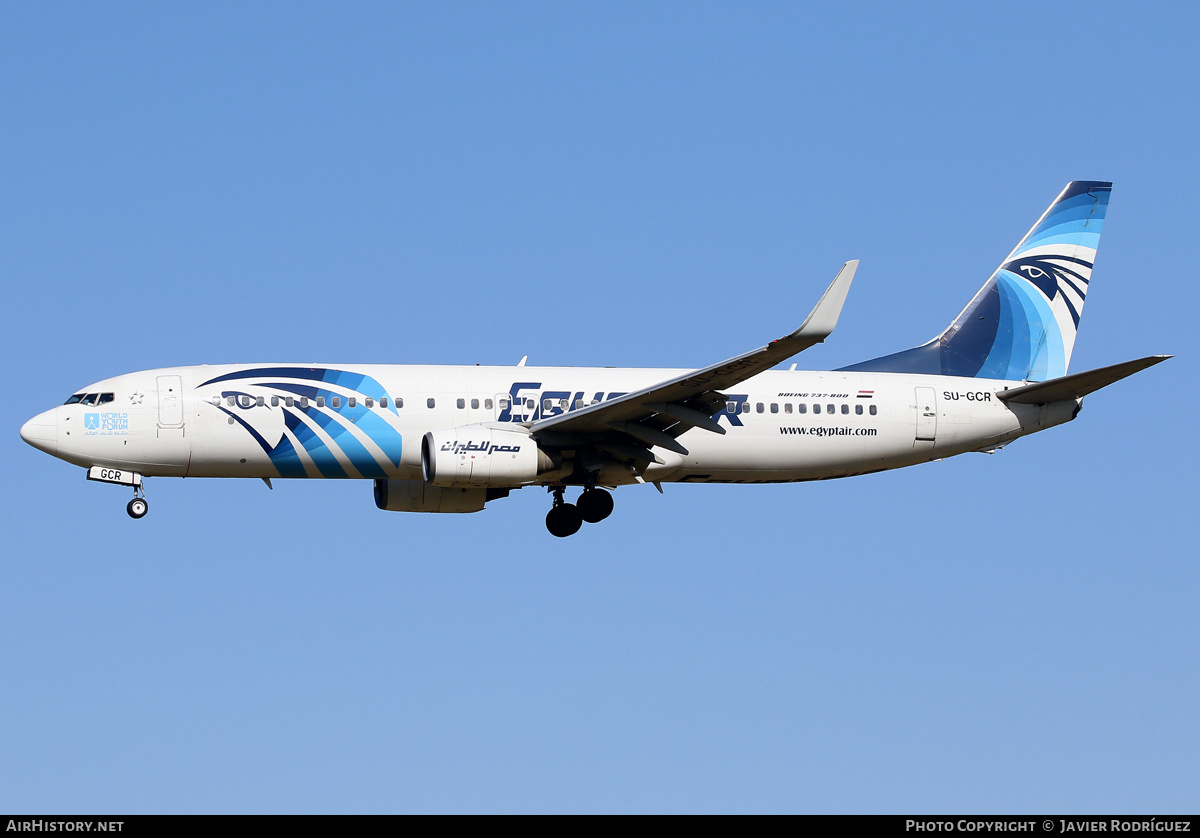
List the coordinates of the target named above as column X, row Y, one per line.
column 481, row 457
column 419, row 496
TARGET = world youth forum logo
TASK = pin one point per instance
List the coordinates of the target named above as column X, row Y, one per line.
column 91, row 421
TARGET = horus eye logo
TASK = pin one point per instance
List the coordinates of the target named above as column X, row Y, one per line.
column 91, row 421
column 1052, row 275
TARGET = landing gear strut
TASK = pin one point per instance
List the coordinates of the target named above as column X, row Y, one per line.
column 137, row 508
column 563, row 519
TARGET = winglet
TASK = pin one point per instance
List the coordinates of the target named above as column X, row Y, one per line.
column 820, row 322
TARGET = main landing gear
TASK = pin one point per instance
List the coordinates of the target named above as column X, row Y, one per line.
column 564, row 519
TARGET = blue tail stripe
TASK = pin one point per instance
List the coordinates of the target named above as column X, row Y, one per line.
column 1046, row 356
column 1091, row 240
column 1000, row 358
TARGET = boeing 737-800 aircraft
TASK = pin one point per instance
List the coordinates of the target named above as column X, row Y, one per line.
column 450, row 439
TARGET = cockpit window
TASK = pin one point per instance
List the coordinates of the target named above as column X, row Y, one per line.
column 90, row 398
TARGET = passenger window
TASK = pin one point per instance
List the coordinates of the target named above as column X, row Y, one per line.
column 759, row 407
column 731, row 407
column 335, row 401
column 530, row 404
column 787, row 408
column 816, row 408
column 487, row 404
column 873, row 410
column 803, row 408
column 304, row 401
column 231, row 401
column 578, row 403
column 504, row 404
column 474, row 404
column 547, row 404
column 829, row 408
column 858, row 410
column 774, row 407
column 216, row 400
column 429, row 403
column 290, row 401
column 745, row 407
column 105, row 398
column 352, row 401
column 259, row 402
column 845, row 409
column 274, row 401
column 320, row 401
column 461, row 404
column 562, row 404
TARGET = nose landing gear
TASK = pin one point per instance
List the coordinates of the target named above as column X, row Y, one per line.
column 138, row 507
column 564, row 519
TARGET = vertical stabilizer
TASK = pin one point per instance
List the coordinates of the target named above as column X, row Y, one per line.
column 1022, row 323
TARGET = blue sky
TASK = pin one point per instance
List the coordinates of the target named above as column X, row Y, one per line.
column 618, row 184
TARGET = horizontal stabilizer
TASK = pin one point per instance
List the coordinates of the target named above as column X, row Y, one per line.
column 1078, row 384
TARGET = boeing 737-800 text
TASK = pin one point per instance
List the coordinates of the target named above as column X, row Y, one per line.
column 450, row 439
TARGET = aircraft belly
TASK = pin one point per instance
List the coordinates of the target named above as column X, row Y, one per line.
column 778, row 452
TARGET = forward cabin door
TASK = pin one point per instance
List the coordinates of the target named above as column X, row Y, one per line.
column 926, row 415
column 172, row 448
column 170, row 401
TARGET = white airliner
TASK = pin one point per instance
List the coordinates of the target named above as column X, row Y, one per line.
column 450, row 438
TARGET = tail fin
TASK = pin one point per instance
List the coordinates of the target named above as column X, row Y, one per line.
column 1021, row 325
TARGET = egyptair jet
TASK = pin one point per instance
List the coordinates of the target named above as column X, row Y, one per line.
column 451, row 438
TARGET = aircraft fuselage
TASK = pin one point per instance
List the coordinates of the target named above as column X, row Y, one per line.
column 367, row 421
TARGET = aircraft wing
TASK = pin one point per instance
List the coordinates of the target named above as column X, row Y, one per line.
column 657, row 414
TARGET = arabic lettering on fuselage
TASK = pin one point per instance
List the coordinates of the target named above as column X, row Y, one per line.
column 481, row 447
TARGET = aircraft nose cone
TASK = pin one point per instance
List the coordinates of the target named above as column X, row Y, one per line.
column 42, row 432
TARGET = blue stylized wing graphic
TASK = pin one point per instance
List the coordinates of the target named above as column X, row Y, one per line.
column 341, row 441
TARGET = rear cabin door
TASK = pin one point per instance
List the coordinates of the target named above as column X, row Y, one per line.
column 926, row 414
